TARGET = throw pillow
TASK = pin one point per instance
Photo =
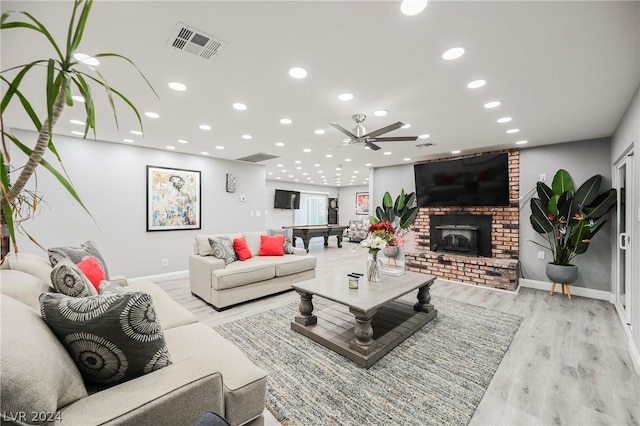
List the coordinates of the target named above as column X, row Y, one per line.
column 288, row 238
column 76, row 254
column 223, row 249
column 111, row 338
column 70, row 281
column 109, row 287
column 92, row 270
column 242, row 249
column 271, row 246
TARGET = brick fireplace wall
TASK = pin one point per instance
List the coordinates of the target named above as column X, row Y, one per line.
column 501, row 270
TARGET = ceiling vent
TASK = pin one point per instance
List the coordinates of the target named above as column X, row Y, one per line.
column 256, row 158
column 424, row 145
column 195, row 42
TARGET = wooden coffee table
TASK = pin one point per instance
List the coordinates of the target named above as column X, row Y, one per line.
column 369, row 321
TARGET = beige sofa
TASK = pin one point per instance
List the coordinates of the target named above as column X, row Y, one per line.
column 225, row 285
column 208, row 373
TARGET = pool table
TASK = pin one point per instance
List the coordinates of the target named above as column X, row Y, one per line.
column 307, row 232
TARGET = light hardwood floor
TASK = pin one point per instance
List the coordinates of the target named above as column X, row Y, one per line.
column 567, row 365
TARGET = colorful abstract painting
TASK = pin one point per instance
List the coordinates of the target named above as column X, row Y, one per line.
column 362, row 203
column 173, row 199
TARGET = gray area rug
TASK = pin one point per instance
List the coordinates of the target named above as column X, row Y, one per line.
column 436, row 377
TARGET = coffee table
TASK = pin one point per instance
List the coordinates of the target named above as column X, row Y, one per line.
column 369, row 321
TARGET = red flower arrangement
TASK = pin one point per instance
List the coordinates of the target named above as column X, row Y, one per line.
column 384, row 230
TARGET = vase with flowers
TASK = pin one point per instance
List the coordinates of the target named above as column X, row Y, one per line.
column 380, row 235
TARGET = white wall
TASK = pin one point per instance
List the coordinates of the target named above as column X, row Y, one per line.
column 277, row 218
column 111, row 180
column 392, row 179
column 347, row 203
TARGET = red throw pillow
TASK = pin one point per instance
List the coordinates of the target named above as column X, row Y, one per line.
column 92, row 270
column 241, row 248
column 271, row 245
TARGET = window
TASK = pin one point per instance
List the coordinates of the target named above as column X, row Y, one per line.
column 313, row 209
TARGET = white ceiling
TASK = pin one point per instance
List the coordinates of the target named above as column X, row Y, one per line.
column 564, row 70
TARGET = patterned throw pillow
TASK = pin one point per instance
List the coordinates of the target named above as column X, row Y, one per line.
column 111, row 338
column 223, row 249
column 67, row 279
column 288, row 238
column 77, row 254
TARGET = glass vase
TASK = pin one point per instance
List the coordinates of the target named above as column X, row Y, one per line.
column 374, row 268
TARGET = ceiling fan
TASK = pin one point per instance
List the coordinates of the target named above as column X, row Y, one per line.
column 360, row 135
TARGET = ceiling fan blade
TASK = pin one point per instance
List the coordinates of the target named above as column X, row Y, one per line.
column 384, row 130
column 338, row 146
column 372, row 146
column 343, row 130
column 394, row 139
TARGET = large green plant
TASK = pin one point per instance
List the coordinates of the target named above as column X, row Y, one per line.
column 567, row 218
column 64, row 75
column 401, row 213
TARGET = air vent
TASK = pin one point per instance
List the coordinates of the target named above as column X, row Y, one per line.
column 256, row 158
column 195, row 42
column 425, row 145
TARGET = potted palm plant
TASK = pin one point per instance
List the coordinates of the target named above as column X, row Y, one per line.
column 401, row 214
column 568, row 219
column 66, row 75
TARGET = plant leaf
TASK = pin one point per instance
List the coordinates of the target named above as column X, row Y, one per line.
column 601, row 205
column 562, row 182
column 552, row 206
column 588, row 191
column 387, row 201
column 544, row 192
column 539, row 219
column 82, row 21
column 568, row 208
column 27, row 107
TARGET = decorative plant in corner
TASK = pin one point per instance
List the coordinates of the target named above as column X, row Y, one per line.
column 567, row 218
column 64, row 73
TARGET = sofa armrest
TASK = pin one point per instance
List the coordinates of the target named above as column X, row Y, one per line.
column 120, row 280
column 200, row 269
column 299, row 251
column 176, row 394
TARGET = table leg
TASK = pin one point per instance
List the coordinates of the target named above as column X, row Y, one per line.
column 424, row 297
column 339, row 240
column 306, row 243
column 363, row 342
column 326, row 240
column 306, row 316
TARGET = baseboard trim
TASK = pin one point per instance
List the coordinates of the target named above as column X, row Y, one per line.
column 162, row 277
column 575, row 291
column 480, row 286
column 635, row 355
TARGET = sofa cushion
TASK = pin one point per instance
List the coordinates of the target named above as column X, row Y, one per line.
column 92, row 270
column 69, row 280
column 23, row 287
column 288, row 236
column 111, row 338
column 242, row 249
column 38, row 376
column 271, row 246
column 203, row 247
column 30, row 263
column 292, row 264
column 244, row 382
column 253, row 240
column 223, row 249
column 242, row 273
column 77, row 253
column 170, row 313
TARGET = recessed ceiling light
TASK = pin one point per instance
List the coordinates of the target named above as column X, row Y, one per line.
column 152, row 114
column 407, row 159
column 305, row 174
column 171, row 147
column 406, row 126
column 177, row 86
column 135, row 132
column 270, row 173
column 513, row 130
column 368, row 164
column 205, row 127
column 387, row 153
column 347, row 159
column 297, row 72
column 283, row 171
column 380, row 113
column 127, row 140
column 297, row 161
column 75, row 132
column 316, row 165
column 285, row 121
column 78, row 98
column 80, row 122
column 298, row 168
column 338, row 174
column 290, row 176
column 204, row 153
column 239, row 106
column 521, row 142
column 456, row 151
column 476, row 84
column 319, row 132
column 412, row 7
column 453, row 53
column 306, row 150
column 183, row 141
column 220, row 147
column 247, row 137
column 356, row 171
column 278, row 177
column 320, row 171
column 86, row 59
column 279, row 144
column 338, row 168
column 345, row 96
column 424, row 136
column 279, row 165
column 492, row 104
column 504, row 119
column 329, row 155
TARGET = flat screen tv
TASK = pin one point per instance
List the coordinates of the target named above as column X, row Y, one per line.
column 286, row 199
column 482, row 180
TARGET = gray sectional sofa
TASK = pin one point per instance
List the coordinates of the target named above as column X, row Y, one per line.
column 38, row 377
column 223, row 285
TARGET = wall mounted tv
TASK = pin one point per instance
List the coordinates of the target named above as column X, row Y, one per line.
column 286, row 199
column 482, row 180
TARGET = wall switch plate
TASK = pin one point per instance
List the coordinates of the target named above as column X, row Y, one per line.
column 540, row 255
column 258, row 213
column 165, row 262
column 543, row 177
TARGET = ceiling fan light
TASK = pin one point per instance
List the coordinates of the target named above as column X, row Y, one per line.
column 298, row 72
column 345, row 96
column 381, row 113
column 413, row 7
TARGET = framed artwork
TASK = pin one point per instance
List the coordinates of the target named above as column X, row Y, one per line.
column 173, row 199
column 231, row 182
column 362, row 203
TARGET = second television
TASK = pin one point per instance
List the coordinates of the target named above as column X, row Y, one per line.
column 286, row 199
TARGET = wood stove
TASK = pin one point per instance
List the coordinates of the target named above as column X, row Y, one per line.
column 463, row 234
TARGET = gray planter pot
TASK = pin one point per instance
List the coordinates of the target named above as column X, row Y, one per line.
column 391, row 251
column 562, row 274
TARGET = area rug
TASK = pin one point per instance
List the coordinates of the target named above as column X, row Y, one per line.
column 436, row 377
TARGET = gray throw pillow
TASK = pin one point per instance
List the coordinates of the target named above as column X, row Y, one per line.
column 77, row 254
column 223, row 249
column 70, row 281
column 111, row 338
column 288, row 238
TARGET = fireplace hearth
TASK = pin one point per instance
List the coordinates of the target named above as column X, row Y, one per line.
column 463, row 234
